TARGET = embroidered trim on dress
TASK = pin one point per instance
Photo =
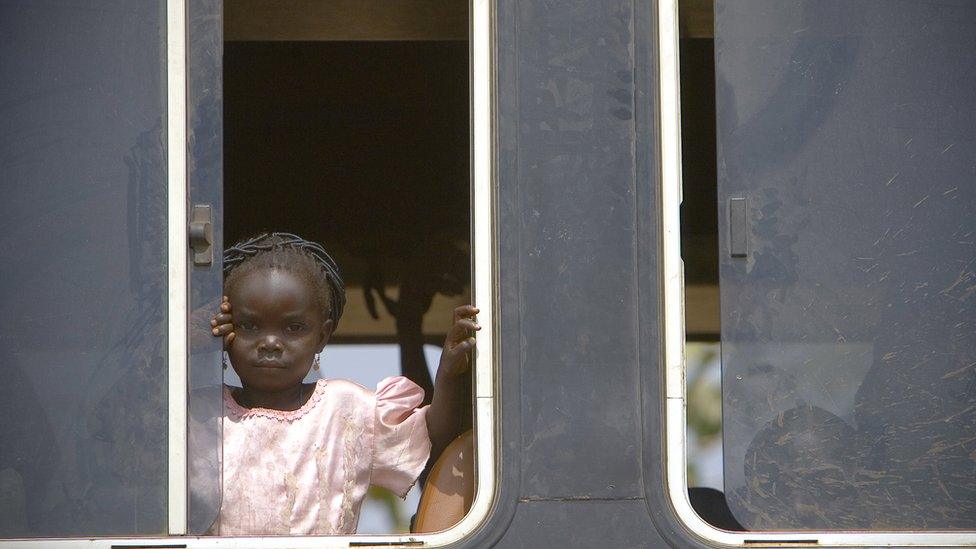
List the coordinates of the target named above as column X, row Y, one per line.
column 237, row 410
column 322, row 523
column 350, row 437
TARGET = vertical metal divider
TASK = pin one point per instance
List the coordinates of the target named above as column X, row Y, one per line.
column 177, row 262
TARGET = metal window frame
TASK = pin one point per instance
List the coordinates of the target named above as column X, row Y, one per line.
column 674, row 341
column 483, row 292
column 178, row 195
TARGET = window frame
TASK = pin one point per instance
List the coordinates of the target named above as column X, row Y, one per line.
column 178, row 194
column 481, row 48
column 673, row 298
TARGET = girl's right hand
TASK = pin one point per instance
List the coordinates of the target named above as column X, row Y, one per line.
column 222, row 323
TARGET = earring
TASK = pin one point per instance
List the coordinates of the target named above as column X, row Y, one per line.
column 315, row 363
column 226, row 360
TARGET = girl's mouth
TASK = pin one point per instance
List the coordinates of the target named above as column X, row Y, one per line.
column 269, row 363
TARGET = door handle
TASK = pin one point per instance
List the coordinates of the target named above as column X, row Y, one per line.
column 738, row 227
column 201, row 234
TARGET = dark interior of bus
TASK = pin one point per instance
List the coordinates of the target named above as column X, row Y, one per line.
column 699, row 209
column 352, row 130
column 360, row 140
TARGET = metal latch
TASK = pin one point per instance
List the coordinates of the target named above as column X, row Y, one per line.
column 201, row 234
column 738, row 227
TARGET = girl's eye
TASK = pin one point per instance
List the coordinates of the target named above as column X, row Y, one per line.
column 296, row 327
column 246, row 325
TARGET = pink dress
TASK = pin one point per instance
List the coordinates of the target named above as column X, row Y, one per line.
column 307, row 471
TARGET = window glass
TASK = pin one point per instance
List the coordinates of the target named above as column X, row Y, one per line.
column 846, row 134
column 204, row 105
column 83, row 279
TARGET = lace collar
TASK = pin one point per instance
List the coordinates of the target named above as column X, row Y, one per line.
column 236, row 410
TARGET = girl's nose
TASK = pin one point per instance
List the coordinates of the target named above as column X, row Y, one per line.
column 269, row 343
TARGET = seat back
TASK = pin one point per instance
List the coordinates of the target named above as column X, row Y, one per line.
column 450, row 487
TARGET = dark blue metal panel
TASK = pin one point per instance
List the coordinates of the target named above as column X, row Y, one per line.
column 83, row 279
column 617, row 523
column 848, row 343
column 577, row 214
column 580, row 413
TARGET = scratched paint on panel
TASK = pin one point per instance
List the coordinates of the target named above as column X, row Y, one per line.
column 577, row 231
column 83, row 281
column 849, row 343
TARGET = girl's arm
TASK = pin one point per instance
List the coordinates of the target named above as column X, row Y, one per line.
column 444, row 415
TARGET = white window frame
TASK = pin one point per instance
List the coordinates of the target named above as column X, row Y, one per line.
column 483, row 294
column 177, row 235
column 674, row 342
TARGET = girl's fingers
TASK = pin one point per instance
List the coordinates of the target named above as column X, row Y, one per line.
column 461, row 330
column 467, row 324
column 465, row 311
column 459, row 340
column 222, row 323
column 222, row 318
column 455, row 360
column 463, row 346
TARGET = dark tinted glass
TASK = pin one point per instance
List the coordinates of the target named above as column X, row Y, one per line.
column 848, row 128
column 205, row 173
column 83, row 280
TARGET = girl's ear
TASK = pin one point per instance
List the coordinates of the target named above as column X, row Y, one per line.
column 325, row 334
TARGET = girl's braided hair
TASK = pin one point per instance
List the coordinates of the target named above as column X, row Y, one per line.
column 289, row 252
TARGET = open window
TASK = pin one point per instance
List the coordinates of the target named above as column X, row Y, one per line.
column 364, row 125
column 827, row 245
column 349, row 125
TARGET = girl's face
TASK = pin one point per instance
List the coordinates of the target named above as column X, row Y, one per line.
column 278, row 329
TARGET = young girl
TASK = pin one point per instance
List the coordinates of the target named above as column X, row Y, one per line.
column 299, row 457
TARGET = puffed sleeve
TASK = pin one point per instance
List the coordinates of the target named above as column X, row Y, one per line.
column 401, row 445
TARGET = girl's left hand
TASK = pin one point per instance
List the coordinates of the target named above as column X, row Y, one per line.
column 222, row 323
column 459, row 342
